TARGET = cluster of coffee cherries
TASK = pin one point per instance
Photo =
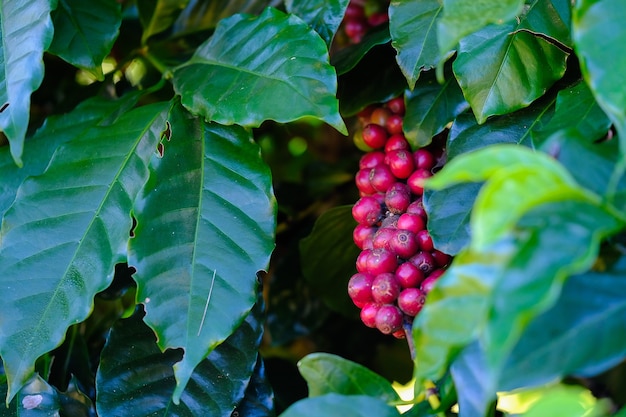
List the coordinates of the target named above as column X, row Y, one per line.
column 398, row 263
column 362, row 15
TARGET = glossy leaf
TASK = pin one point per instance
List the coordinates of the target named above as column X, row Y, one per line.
column 201, row 15
column 326, row 373
column 429, row 108
column 136, row 379
column 587, row 315
column 576, row 113
column 474, row 385
column 568, row 400
column 598, row 33
column 36, row 399
column 340, row 405
column 464, row 17
column 413, row 27
column 518, row 180
column 323, row 15
column 84, row 32
column 449, row 212
column 501, row 70
column 591, row 163
column 280, row 72
column 462, row 292
column 535, row 276
column 91, row 112
column 66, row 232
column 349, row 56
column 550, row 19
column 331, row 238
column 258, row 400
column 467, row 135
column 197, row 254
column 158, row 16
column 26, row 33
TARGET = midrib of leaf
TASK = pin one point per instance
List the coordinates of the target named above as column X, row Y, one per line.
column 535, row 121
column 430, row 27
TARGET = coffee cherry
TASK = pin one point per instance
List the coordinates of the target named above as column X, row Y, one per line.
column 367, row 210
column 417, row 207
column 423, row 159
column 394, row 124
column 441, row 259
column 398, row 198
column 397, row 141
column 356, row 29
column 425, row 241
column 381, row 178
column 357, row 139
column 371, row 160
column 374, row 136
column 379, row 116
column 388, row 319
column 396, row 105
column 377, row 19
column 400, row 163
column 411, row 301
column 362, row 234
column 408, row 275
column 385, row 288
column 368, row 314
column 382, row 238
column 399, row 334
column 390, row 221
column 412, row 222
column 416, row 180
column 403, row 243
column 380, row 261
column 361, row 260
column 424, row 261
column 360, row 288
column 362, row 180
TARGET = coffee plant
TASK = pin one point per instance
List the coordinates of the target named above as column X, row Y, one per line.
column 312, row 208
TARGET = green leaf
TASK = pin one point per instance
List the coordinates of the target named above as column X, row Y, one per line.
column 331, row 238
column 279, row 71
column 473, row 382
column 36, row 399
column 158, row 16
column 84, row 32
column 464, row 17
column 136, row 379
column 413, row 27
column 66, row 230
column 568, row 400
column 501, row 70
column 430, row 107
column 258, row 400
column 518, row 180
column 40, row 148
column 591, row 308
column 550, row 19
column 199, row 282
column 340, row 405
column 598, row 35
column 535, row 275
column 467, row 135
column 201, row 15
column 577, row 112
column 322, row 15
column 26, row 32
column 326, row 373
column 461, row 292
column 349, row 56
column 449, row 213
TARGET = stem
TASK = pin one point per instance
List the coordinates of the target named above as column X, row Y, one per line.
column 156, row 63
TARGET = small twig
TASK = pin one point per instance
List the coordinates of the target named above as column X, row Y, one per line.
column 206, row 306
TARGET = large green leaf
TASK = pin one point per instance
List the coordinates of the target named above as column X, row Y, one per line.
column 331, row 238
column 202, row 15
column 462, row 293
column 501, row 70
column 258, row 400
column 136, row 379
column 279, row 71
column 326, row 373
column 463, row 17
column 91, row 112
column 158, row 16
column 323, row 15
column 598, row 35
column 589, row 313
column 550, row 19
column 535, row 275
column 413, row 27
column 475, row 387
column 66, row 230
column 36, row 399
column 576, row 112
column 430, row 107
column 84, row 32
column 340, row 405
column 205, row 226
column 25, row 33
column 518, row 180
